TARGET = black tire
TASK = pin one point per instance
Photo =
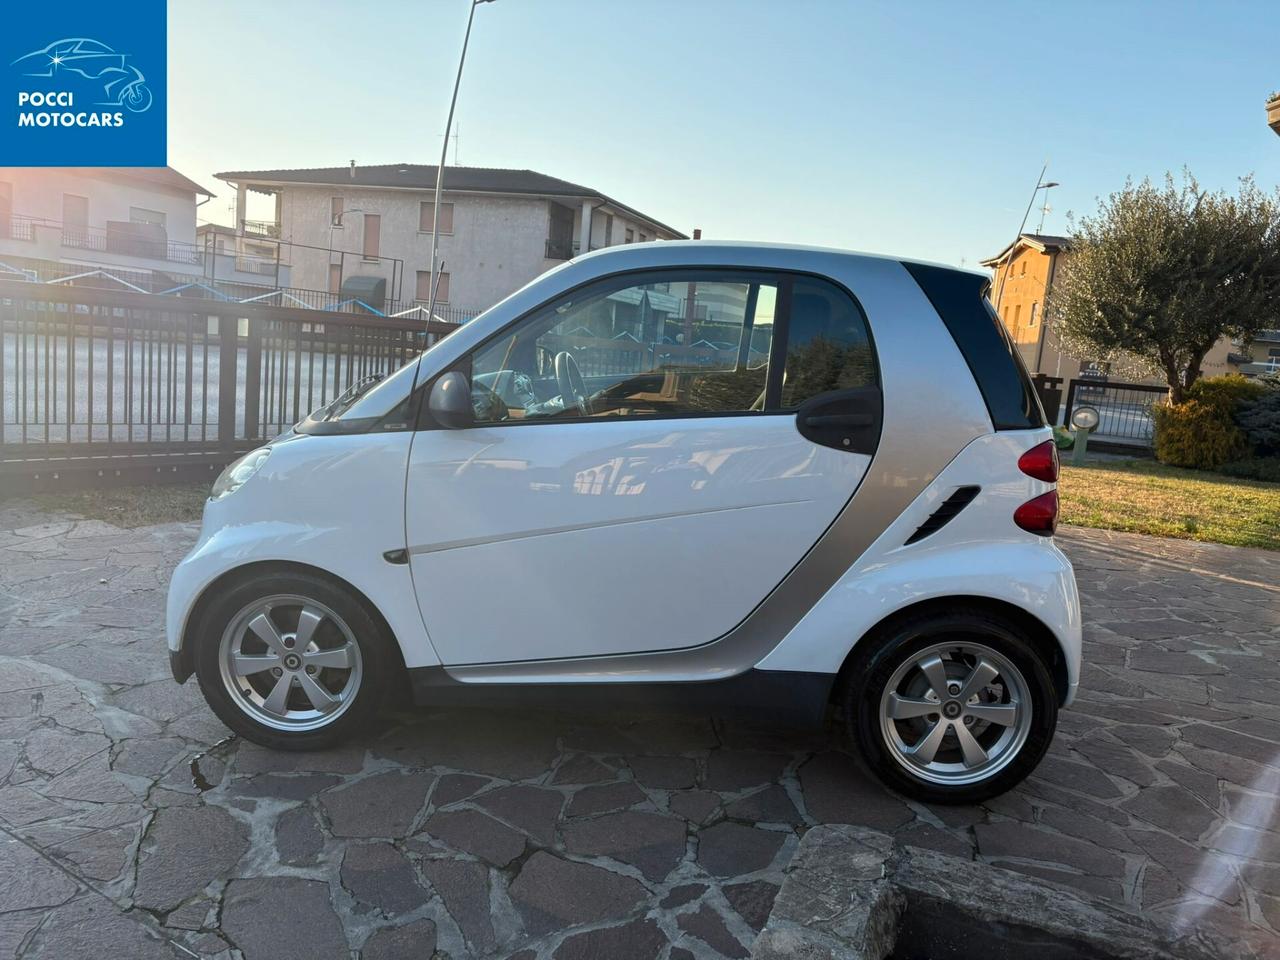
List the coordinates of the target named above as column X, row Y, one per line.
column 887, row 650
column 379, row 660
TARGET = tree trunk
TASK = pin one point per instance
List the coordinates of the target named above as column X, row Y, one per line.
column 1177, row 393
column 1193, row 365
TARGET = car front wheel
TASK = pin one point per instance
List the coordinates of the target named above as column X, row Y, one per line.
column 951, row 708
column 291, row 661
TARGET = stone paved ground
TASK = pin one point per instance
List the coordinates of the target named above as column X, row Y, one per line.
column 129, row 827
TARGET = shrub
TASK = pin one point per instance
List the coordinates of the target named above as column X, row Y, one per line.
column 1197, row 433
column 1254, row 468
column 1063, row 438
column 1260, row 421
column 1226, row 392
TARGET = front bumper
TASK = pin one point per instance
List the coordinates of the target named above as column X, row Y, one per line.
column 179, row 666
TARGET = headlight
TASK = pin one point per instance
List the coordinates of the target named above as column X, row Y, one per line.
column 238, row 472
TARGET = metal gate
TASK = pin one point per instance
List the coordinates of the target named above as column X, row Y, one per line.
column 116, row 383
column 1124, row 409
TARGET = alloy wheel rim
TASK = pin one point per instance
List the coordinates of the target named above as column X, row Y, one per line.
column 955, row 713
column 290, row 663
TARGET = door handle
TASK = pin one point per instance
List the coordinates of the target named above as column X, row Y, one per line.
column 840, row 420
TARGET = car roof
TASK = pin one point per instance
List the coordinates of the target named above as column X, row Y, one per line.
column 726, row 252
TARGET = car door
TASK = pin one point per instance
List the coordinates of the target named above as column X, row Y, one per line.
column 650, row 455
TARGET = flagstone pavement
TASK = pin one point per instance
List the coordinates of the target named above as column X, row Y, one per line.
column 131, row 826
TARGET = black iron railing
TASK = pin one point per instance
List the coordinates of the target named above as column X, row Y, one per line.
column 97, row 378
column 1124, row 409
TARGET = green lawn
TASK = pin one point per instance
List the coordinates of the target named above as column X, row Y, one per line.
column 1142, row 496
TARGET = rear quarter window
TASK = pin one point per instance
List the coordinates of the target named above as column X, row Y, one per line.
column 961, row 302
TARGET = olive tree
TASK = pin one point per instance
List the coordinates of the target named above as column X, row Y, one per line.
column 1158, row 275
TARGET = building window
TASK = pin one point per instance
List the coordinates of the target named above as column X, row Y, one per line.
column 1023, row 271
column 559, row 233
column 139, row 215
column 424, row 287
column 608, row 231
column 335, row 278
column 1017, row 315
column 372, row 229
column 1032, row 321
column 335, row 211
column 75, row 210
column 630, row 235
column 75, row 220
column 426, row 213
column 644, row 237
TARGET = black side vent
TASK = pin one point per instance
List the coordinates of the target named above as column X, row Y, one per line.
column 943, row 515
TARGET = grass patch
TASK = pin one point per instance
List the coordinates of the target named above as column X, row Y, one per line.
column 130, row 507
column 1143, row 496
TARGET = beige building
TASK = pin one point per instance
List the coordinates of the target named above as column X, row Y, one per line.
column 498, row 228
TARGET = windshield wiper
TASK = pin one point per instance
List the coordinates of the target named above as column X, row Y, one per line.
column 349, row 396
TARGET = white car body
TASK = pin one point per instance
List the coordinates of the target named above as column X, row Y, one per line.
column 650, row 550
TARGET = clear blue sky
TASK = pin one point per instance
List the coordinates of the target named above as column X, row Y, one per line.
column 908, row 128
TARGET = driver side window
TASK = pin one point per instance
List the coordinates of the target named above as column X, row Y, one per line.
column 686, row 342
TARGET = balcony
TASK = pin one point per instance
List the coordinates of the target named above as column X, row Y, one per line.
column 269, row 229
column 1273, row 112
column 559, row 250
column 258, row 265
column 141, row 240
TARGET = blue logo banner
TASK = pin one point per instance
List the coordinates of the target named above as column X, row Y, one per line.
column 85, row 84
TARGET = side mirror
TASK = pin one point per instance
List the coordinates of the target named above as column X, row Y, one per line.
column 450, row 401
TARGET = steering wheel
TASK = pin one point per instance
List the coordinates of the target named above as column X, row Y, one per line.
column 572, row 386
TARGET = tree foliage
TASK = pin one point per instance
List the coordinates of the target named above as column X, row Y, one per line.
column 1158, row 275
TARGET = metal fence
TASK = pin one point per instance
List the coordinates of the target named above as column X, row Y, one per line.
column 1124, row 409
column 109, row 380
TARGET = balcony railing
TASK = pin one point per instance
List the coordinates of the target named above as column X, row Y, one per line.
column 559, row 250
column 262, row 228
column 217, row 290
column 148, row 244
column 258, row 265
column 17, row 228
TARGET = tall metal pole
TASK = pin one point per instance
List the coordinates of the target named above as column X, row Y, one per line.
column 444, row 156
column 1022, row 226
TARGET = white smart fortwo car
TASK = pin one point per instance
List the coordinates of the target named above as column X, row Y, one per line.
column 728, row 477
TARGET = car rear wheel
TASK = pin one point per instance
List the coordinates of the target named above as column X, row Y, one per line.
column 951, row 708
column 291, row 661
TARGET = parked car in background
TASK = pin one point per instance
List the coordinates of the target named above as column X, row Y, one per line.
column 850, row 502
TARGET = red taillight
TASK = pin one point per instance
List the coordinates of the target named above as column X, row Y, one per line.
column 1041, row 462
column 1040, row 515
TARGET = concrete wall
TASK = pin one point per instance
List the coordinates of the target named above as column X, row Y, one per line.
column 498, row 244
